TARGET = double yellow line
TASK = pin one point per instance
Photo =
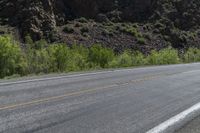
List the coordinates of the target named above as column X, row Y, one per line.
column 54, row 98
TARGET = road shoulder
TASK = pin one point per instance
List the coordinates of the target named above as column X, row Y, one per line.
column 191, row 127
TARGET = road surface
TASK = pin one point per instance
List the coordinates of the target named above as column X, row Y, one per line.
column 114, row 101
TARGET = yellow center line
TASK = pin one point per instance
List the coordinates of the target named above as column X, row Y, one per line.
column 54, row 98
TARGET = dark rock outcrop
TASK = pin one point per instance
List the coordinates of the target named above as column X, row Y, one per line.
column 39, row 18
column 174, row 21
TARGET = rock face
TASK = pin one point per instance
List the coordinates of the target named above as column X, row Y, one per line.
column 90, row 8
column 32, row 17
column 185, row 14
column 130, row 9
column 39, row 18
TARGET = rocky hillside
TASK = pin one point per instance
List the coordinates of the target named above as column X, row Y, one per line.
column 119, row 24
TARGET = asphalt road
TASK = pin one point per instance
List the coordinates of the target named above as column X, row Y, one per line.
column 118, row 101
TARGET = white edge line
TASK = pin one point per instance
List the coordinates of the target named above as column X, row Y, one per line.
column 52, row 78
column 60, row 77
column 178, row 120
column 85, row 74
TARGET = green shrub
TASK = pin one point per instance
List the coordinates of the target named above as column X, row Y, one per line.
column 65, row 59
column 78, row 24
column 40, row 44
column 42, row 57
column 100, row 56
column 192, row 55
column 46, row 60
column 68, row 29
column 132, row 30
column 141, row 40
column 38, row 61
column 12, row 60
column 81, row 50
column 38, row 58
column 84, row 30
column 61, row 56
column 159, row 25
column 35, row 45
column 77, row 63
column 29, row 42
column 123, row 60
column 147, row 36
column 165, row 56
column 138, row 59
column 79, row 56
column 82, row 20
column 135, row 25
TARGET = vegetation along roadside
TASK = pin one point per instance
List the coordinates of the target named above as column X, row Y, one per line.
column 41, row 57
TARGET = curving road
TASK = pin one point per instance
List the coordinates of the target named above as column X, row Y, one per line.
column 114, row 101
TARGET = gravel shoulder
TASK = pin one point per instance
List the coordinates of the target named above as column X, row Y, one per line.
column 192, row 127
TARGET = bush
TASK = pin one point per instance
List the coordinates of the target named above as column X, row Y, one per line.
column 29, row 42
column 100, row 56
column 64, row 59
column 61, row 57
column 80, row 49
column 84, row 30
column 123, row 60
column 40, row 44
column 82, row 20
column 132, row 30
column 38, row 61
column 192, row 55
column 165, row 56
column 68, row 29
column 77, row 63
column 138, row 59
column 79, row 56
column 12, row 60
column 141, row 40
column 42, row 57
column 78, row 24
